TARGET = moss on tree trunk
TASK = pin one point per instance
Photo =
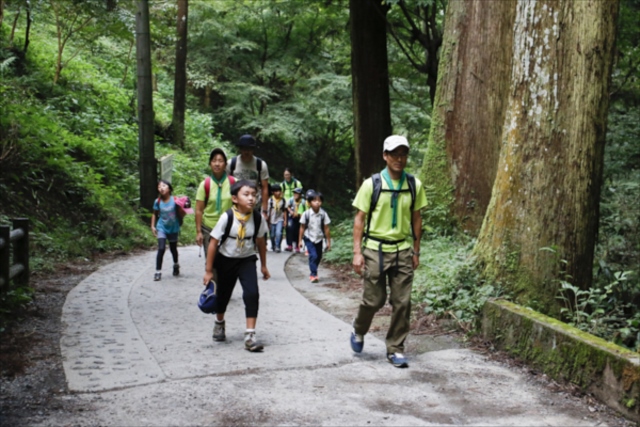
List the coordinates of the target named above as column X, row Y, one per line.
column 547, row 187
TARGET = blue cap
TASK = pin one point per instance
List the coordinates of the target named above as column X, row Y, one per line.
column 247, row 141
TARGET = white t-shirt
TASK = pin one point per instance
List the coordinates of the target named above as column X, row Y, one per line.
column 274, row 216
column 312, row 220
column 230, row 247
column 249, row 171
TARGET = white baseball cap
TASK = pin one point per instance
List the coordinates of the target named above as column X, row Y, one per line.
column 394, row 141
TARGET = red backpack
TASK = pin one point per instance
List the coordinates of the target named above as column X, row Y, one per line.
column 207, row 187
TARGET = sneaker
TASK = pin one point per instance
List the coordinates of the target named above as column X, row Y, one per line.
column 288, row 248
column 218, row 331
column 297, row 250
column 313, row 279
column 157, row 276
column 306, row 253
column 398, row 360
column 357, row 342
column 176, row 269
column 250, row 342
column 278, row 250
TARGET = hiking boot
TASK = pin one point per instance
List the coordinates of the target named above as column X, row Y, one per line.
column 176, row 269
column 357, row 342
column 398, row 360
column 157, row 276
column 218, row 331
column 251, row 343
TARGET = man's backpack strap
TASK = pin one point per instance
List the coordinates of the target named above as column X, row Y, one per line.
column 375, row 196
column 232, row 166
column 258, row 167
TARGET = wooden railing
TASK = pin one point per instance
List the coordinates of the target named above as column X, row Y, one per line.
column 18, row 271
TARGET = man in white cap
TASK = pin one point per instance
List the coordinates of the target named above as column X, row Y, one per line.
column 386, row 245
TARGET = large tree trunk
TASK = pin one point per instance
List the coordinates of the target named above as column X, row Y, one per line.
column 464, row 144
column 547, row 187
column 370, row 83
column 180, row 87
column 148, row 164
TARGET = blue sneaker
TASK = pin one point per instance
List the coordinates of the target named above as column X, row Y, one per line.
column 357, row 342
column 398, row 360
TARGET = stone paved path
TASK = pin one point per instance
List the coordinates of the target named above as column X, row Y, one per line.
column 140, row 353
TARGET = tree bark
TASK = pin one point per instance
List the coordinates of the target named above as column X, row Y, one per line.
column 370, row 84
column 148, row 165
column 547, row 187
column 27, row 31
column 13, row 26
column 464, row 143
column 180, row 87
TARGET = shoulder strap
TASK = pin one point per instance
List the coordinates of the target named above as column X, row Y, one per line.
column 257, row 221
column 227, row 229
column 207, row 188
column 232, row 180
column 258, row 167
column 232, row 166
column 411, row 181
column 375, row 196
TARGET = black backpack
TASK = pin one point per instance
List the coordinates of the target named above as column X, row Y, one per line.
column 257, row 220
column 377, row 190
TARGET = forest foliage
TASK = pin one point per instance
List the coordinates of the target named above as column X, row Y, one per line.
column 278, row 69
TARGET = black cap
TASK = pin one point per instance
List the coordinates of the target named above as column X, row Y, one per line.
column 247, row 141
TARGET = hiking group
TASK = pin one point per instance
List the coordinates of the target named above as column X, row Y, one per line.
column 236, row 209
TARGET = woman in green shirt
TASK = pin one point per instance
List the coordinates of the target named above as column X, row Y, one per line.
column 213, row 197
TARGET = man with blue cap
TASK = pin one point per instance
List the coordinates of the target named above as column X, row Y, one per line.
column 252, row 168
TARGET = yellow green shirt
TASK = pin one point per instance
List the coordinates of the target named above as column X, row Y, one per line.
column 381, row 219
column 211, row 212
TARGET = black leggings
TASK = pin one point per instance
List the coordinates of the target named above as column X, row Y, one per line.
column 229, row 271
column 162, row 246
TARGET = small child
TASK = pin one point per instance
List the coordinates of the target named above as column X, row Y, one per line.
column 295, row 208
column 232, row 253
column 314, row 227
column 276, row 213
column 165, row 226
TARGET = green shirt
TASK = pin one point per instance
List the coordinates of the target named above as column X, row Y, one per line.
column 211, row 212
column 382, row 215
column 288, row 187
